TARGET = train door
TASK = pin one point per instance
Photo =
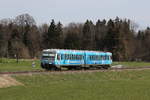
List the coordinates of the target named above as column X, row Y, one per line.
column 85, row 57
column 62, row 61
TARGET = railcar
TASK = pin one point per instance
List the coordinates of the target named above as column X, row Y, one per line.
column 75, row 59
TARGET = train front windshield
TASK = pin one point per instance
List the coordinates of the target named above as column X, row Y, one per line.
column 48, row 55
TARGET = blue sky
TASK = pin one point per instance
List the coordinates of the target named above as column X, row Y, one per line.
column 68, row 11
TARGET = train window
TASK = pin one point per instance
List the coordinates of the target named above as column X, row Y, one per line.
column 61, row 56
column 104, row 58
column 81, row 57
column 90, row 57
column 107, row 58
column 70, row 56
column 58, row 56
column 99, row 57
column 74, row 57
column 66, row 56
column 96, row 57
column 77, row 57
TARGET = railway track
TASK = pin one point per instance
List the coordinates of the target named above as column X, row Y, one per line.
column 72, row 71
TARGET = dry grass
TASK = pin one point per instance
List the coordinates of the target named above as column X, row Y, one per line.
column 7, row 81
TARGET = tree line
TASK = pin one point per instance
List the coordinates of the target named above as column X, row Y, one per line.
column 21, row 37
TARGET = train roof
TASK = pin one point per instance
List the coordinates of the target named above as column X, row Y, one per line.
column 69, row 50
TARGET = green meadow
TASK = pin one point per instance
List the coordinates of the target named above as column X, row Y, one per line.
column 108, row 85
column 23, row 65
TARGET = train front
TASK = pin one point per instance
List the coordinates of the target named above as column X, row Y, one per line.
column 48, row 59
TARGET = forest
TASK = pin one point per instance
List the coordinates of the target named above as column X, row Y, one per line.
column 21, row 37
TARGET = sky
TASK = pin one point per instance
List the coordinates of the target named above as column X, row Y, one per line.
column 78, row 11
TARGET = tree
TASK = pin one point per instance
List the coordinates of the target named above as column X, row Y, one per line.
column 88, row 36
column 110, row 36
column 16, row 43
column 100, row 32
column 24, row 19
column 2, row 42
column 59, row 37
column 52, row 37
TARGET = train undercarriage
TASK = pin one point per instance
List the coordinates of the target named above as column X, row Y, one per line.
column 74, row 67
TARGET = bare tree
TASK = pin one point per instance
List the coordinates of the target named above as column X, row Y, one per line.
column 24, row 19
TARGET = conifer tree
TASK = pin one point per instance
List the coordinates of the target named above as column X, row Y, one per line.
column 88, row 36
column 100, row 32
column 52, row 37
column 59, row 35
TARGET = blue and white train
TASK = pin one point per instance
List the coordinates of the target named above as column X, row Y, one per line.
column 75, row 59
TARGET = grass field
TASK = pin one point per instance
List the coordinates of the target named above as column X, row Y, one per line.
column 22, row 65
column 119, row 85
column 133, row 64
column 26, row 65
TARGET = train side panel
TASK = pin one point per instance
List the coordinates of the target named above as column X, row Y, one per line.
column 69, row 58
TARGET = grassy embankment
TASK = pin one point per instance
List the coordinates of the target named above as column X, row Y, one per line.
column 119, row 85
